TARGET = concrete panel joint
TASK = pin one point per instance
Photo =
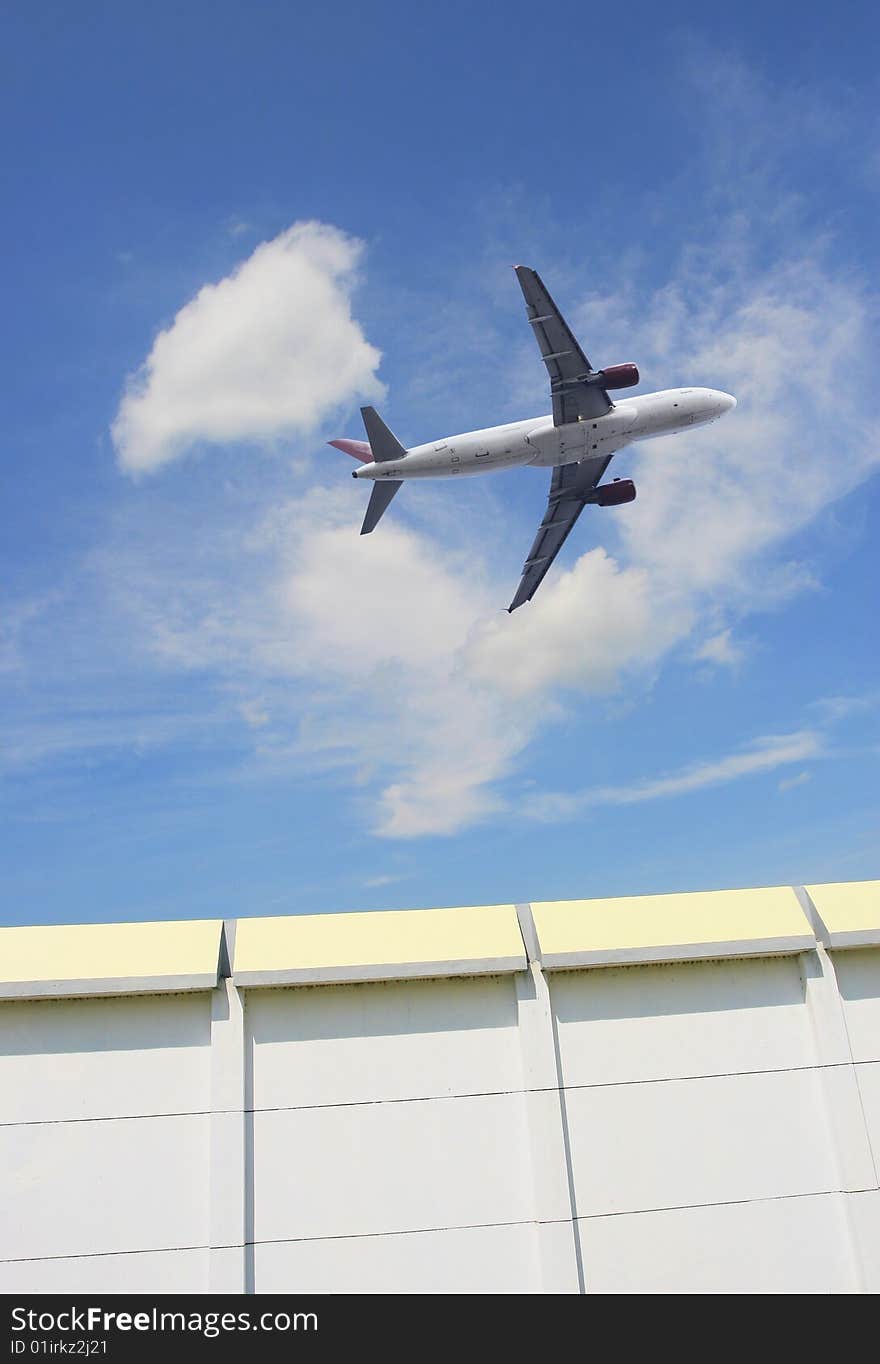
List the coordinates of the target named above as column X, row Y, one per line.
column 230, row 1179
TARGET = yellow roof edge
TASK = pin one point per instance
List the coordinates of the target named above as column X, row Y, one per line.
column 378, row 939
column 112, row 923
column 60, row 955
column 849, row 911
column 704, row 919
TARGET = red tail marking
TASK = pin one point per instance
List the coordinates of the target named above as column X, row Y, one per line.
column 358, row 449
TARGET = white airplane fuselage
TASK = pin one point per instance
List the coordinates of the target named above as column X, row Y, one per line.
column 537, row 441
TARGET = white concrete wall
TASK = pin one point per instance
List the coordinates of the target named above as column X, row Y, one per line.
column 710, row 1125
column 104, row 1149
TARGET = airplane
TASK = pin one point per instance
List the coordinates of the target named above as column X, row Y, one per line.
column 577, row 441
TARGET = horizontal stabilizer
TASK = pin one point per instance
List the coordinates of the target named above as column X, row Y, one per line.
column 380, row 497
column 383, row 443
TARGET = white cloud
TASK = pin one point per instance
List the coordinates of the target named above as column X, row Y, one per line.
column 589, row 624
column 833, row 709
column 265, row 353
column 372, row 628
column 15, row 619
column 762, row 755
column 74, row 734
column 253, row 714
column 720, row 649
column 789, row 783
column 711, row 505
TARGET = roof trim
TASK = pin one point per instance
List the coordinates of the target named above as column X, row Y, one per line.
column 849, row 912
column 313, row 949
column 54, row 962
column 762, row 922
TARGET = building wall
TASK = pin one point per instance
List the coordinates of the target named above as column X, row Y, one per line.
column 662, row 1094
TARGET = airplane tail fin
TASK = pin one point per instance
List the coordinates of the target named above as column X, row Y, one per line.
column 380, row 499
column 383, row 443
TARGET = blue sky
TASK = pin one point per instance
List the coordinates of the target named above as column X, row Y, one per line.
column 227, row 226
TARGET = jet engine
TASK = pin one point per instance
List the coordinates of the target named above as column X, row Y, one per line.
column 619, row 376
column 614, row 494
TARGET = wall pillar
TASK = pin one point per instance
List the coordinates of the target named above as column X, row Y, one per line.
column 229, row 1173
column 555, row 1213
column 843, row 1101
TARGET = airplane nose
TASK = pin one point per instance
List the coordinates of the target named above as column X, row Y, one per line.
column 727, row 403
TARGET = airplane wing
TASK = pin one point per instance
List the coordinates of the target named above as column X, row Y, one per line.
column 575, row 393
column 570, row 489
